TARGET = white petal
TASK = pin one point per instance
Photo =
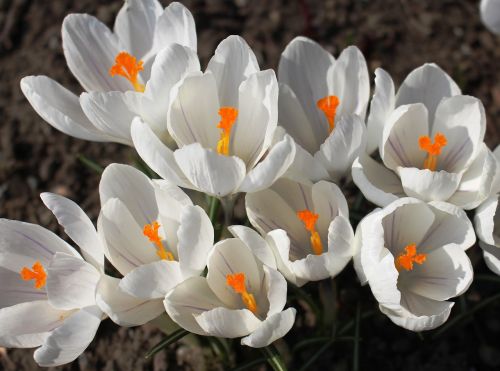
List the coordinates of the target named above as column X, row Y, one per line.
column 135, row 25
column 171, row 200
column 272, row 167
column 427, row 84
column 209, row 172
column 341, row 148
column 328, row 203
column 90, row 49
column 60, row 108
column 306, row 167
column 340, row 244
column 350, row 82
column 255, row 243
column 273, row 328
column 484, row 220
column 252, row 133
column 24, row 341
column 381, row 106
column 14, row 290
column 312, row 267
column 228, row 323
column 155, row 154
column 491, row 256
column 71, row 282
column 232, row 63
column 377, row 183
column 123, row 309
column 196, row 239
column 192, row 297
column 490, row 15
column 429, row 185
column 276, row 290
column 153, row 280
column 71, row 339
column 463, row 121
column 77, row 226
column 279, row 242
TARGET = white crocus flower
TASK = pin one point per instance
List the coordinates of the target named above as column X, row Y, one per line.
column 433, row 154
column 240, row 297
column 322, row 105
column 223, row 121
column 490, row 15
column 119, row 71
column 317, row 243
column 412, row 255
column 153, row 235
column 47, row 291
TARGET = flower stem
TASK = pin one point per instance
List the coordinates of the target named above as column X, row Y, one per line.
column 273, row 357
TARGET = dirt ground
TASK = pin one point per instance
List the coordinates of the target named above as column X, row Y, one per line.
column 396, row 35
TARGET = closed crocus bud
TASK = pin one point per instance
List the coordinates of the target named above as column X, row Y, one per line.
column 154, row 236
column 126, row 72
column 318, row 240
column 223, row 122
column 322, row 105
column 240, row 297
column 412, row 255
column 490, row 15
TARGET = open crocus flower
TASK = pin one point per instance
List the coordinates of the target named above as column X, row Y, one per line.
column 240, row 297
column 223, row 121
column 317, row 243
column 322, row 105
column 431, row 155
column 153, row 235
column 490, row 15
column 119, row 70
column 47, row 291
column 412, row 255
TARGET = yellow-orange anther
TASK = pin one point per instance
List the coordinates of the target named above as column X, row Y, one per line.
column 237, row 282
column 433, row 149
column 126, row 65
column 37, row 273
column 329, row 106
column 405, row 260
column 228, row 116
column 309, row 219
column 151, row 232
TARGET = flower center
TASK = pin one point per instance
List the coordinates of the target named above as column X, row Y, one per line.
column 151, row 232
column 237, row 282
column 228, row 117
column 433, row 149
column 37, row 273
column 405, row 260
column 309, row 219
column 329, row 106
column 126, row 65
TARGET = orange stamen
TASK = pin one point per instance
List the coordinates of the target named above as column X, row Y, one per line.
column 433, row 149
column 126, row 65
column 228, row 118
column 405, row 260
column 37, row 273
column 329, row 106
column 151, row 232
column 237, row 282
column 309, row 219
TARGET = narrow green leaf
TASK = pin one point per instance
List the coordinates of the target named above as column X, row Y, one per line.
column 250, row 365
column 355, row 355
column 273, row 357
column 92, row 165
column 170, row 339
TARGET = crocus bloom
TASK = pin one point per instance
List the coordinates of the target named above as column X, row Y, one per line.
column 119, row 71
column 223, row 121
column 153, row 235
column 432, row 151
column 322, row 105
column 412, row 255
column 47, row 291
column 240, row 297
column 317, row 243
column 490, row 15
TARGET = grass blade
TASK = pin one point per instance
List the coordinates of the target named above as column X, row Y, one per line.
column 92, row 165
column 273, row 357
column 172, row 338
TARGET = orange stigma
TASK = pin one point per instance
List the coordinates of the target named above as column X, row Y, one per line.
column 126, row 65
column 309, row 219
column 237, row 282
column 228, row 117
column 433, row 149
column 37, row 273
column 405, row 260
column 329, row 106
column 151, row 232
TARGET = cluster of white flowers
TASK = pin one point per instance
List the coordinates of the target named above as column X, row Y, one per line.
column 289, row 144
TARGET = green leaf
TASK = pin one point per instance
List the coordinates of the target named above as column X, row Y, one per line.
column 170, row 339
column 251, row 364
column 355, row 353
column 92, row 165
column 273, row 357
